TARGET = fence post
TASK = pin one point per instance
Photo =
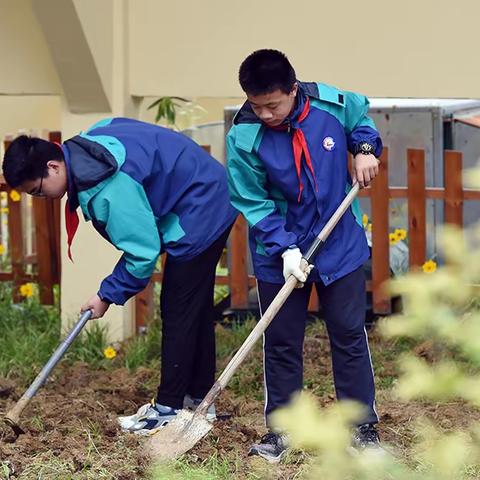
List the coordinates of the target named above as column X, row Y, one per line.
column 380, row 240
column 416, row 207
column 47, row 234
column 44, row 254
column 55, row 223
column 453, row 202
column 238, row 265
column 15, row 240
column 143, row 307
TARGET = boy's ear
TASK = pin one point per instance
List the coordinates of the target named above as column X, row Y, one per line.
column 54, row 165
column 293, row 93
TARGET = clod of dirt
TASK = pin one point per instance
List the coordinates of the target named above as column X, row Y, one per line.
column 425, row 349
column 7, row 388
column 7, row 435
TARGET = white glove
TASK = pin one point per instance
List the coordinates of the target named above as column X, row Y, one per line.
column 291, row 265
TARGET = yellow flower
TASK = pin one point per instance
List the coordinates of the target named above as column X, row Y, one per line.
column 110, row 353
column 15, row 196
column 393, row 238
column 26, row 290
column 400, row 233
column 4, row 210
column 3, row 195
column 365, row 219
column 429, row 266
column 2, row 249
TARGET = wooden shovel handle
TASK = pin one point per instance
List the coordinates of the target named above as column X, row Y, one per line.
column 275, row 306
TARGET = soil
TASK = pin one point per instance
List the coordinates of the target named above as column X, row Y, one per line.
column 73, row 419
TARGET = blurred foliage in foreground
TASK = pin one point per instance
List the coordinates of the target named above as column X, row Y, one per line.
column 444, row 309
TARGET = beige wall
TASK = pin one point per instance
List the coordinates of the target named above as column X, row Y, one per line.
column 418, row 48
column 26, row 65
column 97, row 22
column 31, row 112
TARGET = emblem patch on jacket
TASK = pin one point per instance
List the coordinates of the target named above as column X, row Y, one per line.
column 328, row 144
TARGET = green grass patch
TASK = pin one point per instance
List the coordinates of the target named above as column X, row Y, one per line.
column 30, row 333
column 144, row 350
column 216, row 467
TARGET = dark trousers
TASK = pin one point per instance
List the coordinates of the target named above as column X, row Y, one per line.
column 188, row 335
column 343, row 305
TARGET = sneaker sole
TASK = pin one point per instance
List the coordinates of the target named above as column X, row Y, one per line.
column 269, row 459
column 148, row 432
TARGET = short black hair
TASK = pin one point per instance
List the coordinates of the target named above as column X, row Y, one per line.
column 26, row 158
column 265, row 71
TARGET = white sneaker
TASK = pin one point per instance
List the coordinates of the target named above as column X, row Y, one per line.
column 149, row 417
column 192, row 403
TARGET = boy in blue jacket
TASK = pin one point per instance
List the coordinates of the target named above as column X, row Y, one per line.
column 288, row 172
column 146, row 190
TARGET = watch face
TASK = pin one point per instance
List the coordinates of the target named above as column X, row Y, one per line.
column 366, row 147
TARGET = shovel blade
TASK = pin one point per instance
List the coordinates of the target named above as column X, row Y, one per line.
column 178, row 437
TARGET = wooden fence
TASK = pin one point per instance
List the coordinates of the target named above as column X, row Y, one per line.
column 416, row 194
column 41, row 263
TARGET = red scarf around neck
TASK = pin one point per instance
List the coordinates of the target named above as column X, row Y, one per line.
column 71, row 222
column 299, row 144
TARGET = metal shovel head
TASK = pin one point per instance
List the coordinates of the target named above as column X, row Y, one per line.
column 178, row 437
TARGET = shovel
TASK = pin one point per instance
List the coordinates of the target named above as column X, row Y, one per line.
column 13, row 415
column 187, row 428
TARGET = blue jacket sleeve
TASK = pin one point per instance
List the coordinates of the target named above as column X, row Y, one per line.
column 123, row 209
column 359, row 126
column 248, row 194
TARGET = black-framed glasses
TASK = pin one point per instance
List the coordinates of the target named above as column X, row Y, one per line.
column 38, row 192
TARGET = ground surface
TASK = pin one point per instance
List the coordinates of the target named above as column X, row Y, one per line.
column 72, row 432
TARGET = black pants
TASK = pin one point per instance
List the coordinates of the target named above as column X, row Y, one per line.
column 343, row 305
column 188, row 335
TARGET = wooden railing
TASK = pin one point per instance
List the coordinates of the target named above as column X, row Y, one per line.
column 416, row 194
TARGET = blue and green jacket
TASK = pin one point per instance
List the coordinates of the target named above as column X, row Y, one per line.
column 147, row 190
column 264, row 185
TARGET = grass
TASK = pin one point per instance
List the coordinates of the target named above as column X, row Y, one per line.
column 214, row 468
column 144, row 350
column 29, row 335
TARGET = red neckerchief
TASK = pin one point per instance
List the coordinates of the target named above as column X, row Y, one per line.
column 300, row 146
column 71, row 222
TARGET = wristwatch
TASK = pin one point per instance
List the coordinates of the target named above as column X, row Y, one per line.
column 364, row 148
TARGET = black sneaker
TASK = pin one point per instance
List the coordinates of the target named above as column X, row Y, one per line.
column 272, row 447
column 366, row 436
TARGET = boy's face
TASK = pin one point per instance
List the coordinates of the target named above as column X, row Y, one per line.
column 53, row 185
column 272, row 108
